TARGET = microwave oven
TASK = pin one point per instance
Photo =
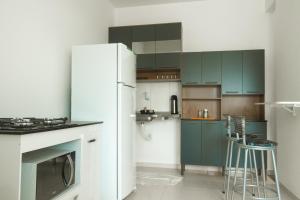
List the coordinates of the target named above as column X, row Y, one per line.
column 47, row 173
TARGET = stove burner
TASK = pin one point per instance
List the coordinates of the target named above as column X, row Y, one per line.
column 20, row 124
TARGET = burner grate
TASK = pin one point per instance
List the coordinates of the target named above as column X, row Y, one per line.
column 25, row 124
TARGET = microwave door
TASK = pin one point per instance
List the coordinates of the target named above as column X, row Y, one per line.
column 54, row 176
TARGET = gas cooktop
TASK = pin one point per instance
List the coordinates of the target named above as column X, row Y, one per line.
column 19, row 126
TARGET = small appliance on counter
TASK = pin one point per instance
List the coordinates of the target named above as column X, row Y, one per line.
column 203, row 113
column 147, row 111
column 174, row 104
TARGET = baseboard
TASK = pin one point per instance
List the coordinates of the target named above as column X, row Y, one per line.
column 287, row 191
column 188, row 168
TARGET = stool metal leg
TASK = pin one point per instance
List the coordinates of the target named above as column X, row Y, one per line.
column 263, row 172
column 245, row 174
column 229, row 172
column 236, row 171
column 251, row 174
column 276, row 175
column 256, row 173
column 226, row 166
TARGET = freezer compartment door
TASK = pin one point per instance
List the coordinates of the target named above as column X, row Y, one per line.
column 126, row 66
column 126, row 141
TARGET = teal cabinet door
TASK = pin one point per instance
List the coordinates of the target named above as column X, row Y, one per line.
column 145, row 61
column 169, row 31
column 211, row 68
column 191, row 68
column 232, row 72
column 224, row 142
column 143, row 33
column 168, row 60
column 191, row 142
column 121, row 35
column 254, row 72
column 211, row 143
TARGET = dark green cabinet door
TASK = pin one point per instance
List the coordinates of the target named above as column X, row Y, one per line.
column 211, row 68
column 170, row 31
column 143, row 33
column 145, row 61
column 224, row 143
column 191, row 142
column 120, row 35
column 232, row 72
column 168, row 60
column 253, row 72
column 191, row 68
column 211, row 143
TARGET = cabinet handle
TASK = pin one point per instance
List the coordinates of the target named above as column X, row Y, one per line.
column 92, row 140
column 252, row 92
column 232, row 92
column 211, row 82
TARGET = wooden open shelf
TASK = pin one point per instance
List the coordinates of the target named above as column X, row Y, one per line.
column 159, row 75
column 196, row 98
column 244, row 105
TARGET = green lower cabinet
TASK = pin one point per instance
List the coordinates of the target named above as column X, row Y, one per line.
column 212, row 143
column 205, row 143
column 258, row 128
column 191, row 142
column 201, row 142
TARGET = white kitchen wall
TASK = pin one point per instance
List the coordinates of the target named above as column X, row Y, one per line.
column 287, row 54
column 209, row 26
column 164, row 134
column 35, row 52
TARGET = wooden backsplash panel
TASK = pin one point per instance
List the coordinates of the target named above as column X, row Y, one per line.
column 201, row 92
column 190, row 109
column 244, row 105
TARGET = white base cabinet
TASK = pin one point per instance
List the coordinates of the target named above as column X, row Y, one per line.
column 87, row 185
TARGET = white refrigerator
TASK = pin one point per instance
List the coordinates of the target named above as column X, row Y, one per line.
column 103, row 89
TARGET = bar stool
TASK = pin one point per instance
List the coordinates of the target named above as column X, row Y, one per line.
column 232, row 138
column 251, row 146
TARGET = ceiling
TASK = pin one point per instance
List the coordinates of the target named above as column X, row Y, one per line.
column 129, row 3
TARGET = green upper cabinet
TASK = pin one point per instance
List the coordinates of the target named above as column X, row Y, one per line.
column 212, row 143
column 232, row 72
column 253, row 72
column 145, row 61
column 191, row 68
column 191, row 142
column 211, row 68
column 121, row 34
column 168, row 60
column 170, row 31
column 143, row 33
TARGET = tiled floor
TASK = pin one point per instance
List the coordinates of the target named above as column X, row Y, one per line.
column 194, row 186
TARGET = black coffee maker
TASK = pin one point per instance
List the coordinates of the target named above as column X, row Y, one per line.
column 174, row 104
